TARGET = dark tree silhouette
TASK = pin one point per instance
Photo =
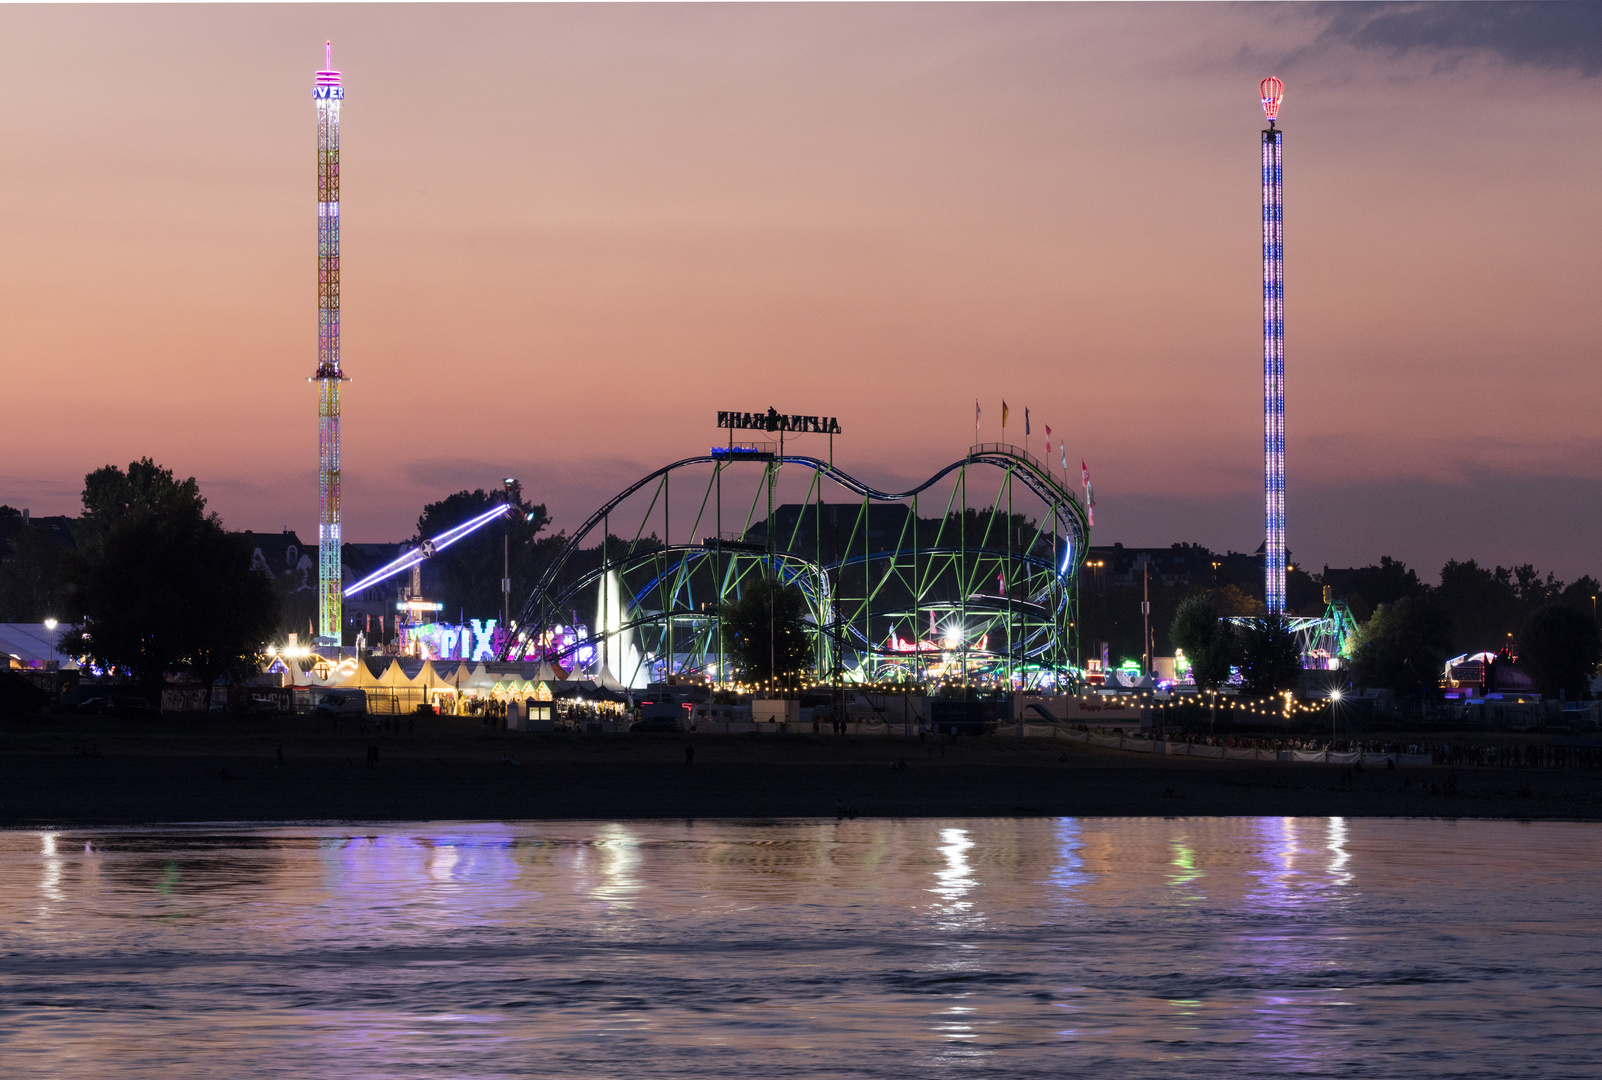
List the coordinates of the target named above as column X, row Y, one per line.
column 1270, row 656
column 1559, row 646
column 1402, row 647
column 1211, row 644
column 746, row 628
column 157, row 586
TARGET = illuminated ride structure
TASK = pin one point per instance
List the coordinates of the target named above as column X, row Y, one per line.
column 414, row 557
column 1272, row 92
column 328, row 92
column 1325, row 642
column 983, row 590
column 1328, row 642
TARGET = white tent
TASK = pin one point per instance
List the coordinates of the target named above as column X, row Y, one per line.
column 548, row 672
column 607, row 681
column 480, row 679
column 429, row 677
column 395, row 678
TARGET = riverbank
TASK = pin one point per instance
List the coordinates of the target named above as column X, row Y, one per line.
column 85, row 770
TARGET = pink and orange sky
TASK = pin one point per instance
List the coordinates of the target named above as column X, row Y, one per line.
column 572, row 233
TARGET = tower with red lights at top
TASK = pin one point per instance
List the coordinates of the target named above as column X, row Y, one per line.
column 1272, row 92
column 329, row 93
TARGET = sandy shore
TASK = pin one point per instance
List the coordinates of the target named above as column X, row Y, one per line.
column 84, row 771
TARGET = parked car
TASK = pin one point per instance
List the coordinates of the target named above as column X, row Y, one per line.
column 342, row 703
column 123, row 705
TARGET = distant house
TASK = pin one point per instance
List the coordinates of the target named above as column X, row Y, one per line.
column 1177, row 564
column 283, row 556
column 59, row 528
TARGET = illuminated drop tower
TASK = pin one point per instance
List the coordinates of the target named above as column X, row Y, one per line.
column 328, row 92
column 1272, row 91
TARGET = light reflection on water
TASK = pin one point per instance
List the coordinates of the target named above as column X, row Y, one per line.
column 1009, row 948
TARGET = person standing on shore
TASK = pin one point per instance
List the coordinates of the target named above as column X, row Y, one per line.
column 689, row 756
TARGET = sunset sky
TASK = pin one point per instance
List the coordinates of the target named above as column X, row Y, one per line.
column 572, row 233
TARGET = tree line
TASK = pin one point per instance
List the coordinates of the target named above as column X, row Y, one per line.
column 1408, row 629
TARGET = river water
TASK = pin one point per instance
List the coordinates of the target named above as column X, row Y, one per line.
column 986, row 948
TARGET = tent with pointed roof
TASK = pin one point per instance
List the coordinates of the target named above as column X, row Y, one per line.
column 607, row 681
column 364, row 677
column 428, row 677
column 395, row 677
column 548, row 672
column 481, row 677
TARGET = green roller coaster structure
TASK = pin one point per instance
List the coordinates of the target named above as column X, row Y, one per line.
column 985, row 590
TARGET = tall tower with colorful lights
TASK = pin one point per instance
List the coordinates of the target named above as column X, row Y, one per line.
column 329, row 93
column 1272, row 92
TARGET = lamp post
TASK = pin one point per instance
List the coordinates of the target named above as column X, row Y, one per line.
column 50, row 627
column 1334, row 696
column 510, row 483
column 1145, row 611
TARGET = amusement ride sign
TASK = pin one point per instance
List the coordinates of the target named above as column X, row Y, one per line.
column 773, row 420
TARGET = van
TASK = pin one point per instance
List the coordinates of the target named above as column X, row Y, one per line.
column 660, row 716
column 337, row 703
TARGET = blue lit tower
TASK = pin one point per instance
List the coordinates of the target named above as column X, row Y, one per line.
column 1272, row 91
column 328, row 93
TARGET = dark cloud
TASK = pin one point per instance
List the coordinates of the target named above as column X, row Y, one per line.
column 1556, row 35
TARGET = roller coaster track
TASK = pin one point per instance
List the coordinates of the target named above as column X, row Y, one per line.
column 1019, row 466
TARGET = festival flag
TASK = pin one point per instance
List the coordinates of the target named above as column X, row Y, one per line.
column 1048, row 440
column 1003, row 414
column 1064, row 450
column 976, row 419
column 1084, row 472
column 1026, row 420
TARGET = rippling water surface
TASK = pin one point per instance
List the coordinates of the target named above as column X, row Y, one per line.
column 1007, row 948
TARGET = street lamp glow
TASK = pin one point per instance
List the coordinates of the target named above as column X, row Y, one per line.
column 1334, row 695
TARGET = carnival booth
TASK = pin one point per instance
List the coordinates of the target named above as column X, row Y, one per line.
column 397, row 686
column 393, row 692
column 436, row 690
column 475, row 688
column 585, row 705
